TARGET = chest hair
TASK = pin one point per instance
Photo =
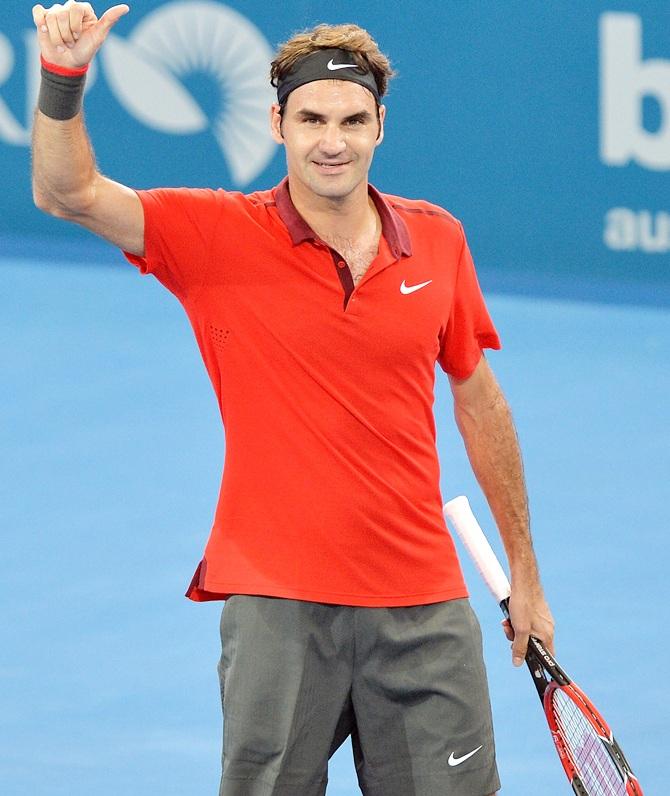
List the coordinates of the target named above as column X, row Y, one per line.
column 358, row 255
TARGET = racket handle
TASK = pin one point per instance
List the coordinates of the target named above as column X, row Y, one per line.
column 459, row 515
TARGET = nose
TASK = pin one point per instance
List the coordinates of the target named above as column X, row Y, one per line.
column 332, row 141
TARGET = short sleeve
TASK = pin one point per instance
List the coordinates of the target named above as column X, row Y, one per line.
column 469, row 328
column 179, row 227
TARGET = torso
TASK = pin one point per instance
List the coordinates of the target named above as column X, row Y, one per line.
column 358, row 253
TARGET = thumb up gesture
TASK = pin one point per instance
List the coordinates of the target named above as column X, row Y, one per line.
column 69, row 35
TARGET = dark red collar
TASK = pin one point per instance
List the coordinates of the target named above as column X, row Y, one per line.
column 394, row 229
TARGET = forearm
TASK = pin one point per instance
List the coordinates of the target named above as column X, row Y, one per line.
column 64, row 170
column 485, row 422
column 493, row 449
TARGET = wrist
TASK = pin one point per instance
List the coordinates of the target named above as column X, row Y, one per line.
column 524, row 574
column 63, row 71
column 61, row 90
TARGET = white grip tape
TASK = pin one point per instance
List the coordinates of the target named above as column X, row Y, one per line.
column 463, row 521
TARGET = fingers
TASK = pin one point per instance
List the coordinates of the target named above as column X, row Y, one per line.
column 548, row 641
column 519, row 649
column 63, row 25
column 520, row 645
column 542, row 626
column 76, row 18
column 508, row 630
column 89, row 17
column 529, row 616
column 38, row 16
column 113, row 15
column 60, row 25
column 521, row 638
column 55, row 39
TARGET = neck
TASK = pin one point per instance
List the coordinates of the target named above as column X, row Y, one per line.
column 349, row 217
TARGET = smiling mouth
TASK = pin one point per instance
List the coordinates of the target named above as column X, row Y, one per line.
column 326, row 165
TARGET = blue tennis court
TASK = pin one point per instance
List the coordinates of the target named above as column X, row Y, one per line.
column 111, row 457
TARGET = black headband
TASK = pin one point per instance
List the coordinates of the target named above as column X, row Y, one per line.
column 332, row 64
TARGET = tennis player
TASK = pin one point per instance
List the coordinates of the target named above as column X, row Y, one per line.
column 321, row 307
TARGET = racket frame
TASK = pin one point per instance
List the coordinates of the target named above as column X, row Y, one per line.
column 549, row 677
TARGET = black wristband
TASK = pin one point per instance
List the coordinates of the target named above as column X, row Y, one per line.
column 61, row 95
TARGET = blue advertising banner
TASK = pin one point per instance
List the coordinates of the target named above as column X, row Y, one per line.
column 545, row 127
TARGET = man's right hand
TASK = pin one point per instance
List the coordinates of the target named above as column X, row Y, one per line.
column 69, row 35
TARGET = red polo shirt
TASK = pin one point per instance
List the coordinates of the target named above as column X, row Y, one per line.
column 330, row 489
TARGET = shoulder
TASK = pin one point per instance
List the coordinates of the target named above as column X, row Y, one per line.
column 239, row 212
column 428, row 223
column 260, row 198
column 207, row 198
column 255, row 207
column 421, row 209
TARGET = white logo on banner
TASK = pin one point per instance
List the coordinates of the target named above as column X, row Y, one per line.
column 180, row 39
column 630, row 230
column 625, row 80
column 10, row 129
column 146, row 73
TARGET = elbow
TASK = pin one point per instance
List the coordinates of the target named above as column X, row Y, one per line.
column 68, row 207
column 45, row 201
column 40, row 197
column 42, row 202
column 490, row 407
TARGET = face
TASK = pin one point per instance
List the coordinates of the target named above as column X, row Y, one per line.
column 330, row 131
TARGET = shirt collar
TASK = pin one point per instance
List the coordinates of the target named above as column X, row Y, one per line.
column 394, row 229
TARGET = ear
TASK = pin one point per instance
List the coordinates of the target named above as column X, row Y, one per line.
column 275, row 123
column 382, row 117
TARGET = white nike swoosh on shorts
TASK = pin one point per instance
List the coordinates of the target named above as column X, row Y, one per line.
column 456, row 761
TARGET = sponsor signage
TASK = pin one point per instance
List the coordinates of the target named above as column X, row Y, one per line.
column 546, row 130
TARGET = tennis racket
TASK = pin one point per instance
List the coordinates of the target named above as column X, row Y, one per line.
column 592, row 759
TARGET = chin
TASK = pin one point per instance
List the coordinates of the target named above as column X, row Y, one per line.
column 333, row 188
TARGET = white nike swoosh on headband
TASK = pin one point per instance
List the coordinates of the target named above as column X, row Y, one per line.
column 333, row 66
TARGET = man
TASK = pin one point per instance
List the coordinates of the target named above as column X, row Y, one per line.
column 321, row 308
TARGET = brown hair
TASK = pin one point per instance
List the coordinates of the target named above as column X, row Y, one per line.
column 353, row 38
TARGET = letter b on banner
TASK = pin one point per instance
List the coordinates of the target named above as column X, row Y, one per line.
column 625, row 79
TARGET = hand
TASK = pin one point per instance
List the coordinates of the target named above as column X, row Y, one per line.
column 69, row 35
column 529, row 616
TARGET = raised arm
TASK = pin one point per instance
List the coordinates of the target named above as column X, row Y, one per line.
column 485, row 422
column 66, row 181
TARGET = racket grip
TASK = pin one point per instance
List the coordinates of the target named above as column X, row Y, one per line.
column 459, row 515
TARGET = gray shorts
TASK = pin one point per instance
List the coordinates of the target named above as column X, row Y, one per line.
column 407, row 683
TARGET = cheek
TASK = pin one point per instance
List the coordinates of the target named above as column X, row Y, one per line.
column 370, row 145
column 297, row 143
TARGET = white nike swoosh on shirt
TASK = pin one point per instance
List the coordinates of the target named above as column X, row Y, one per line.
column 405, row 289
column 333, row 66
column 456, row 761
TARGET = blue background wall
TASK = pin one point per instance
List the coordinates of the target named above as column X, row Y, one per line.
column 495, row 114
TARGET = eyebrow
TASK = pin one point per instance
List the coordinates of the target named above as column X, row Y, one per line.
column 362, row 116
